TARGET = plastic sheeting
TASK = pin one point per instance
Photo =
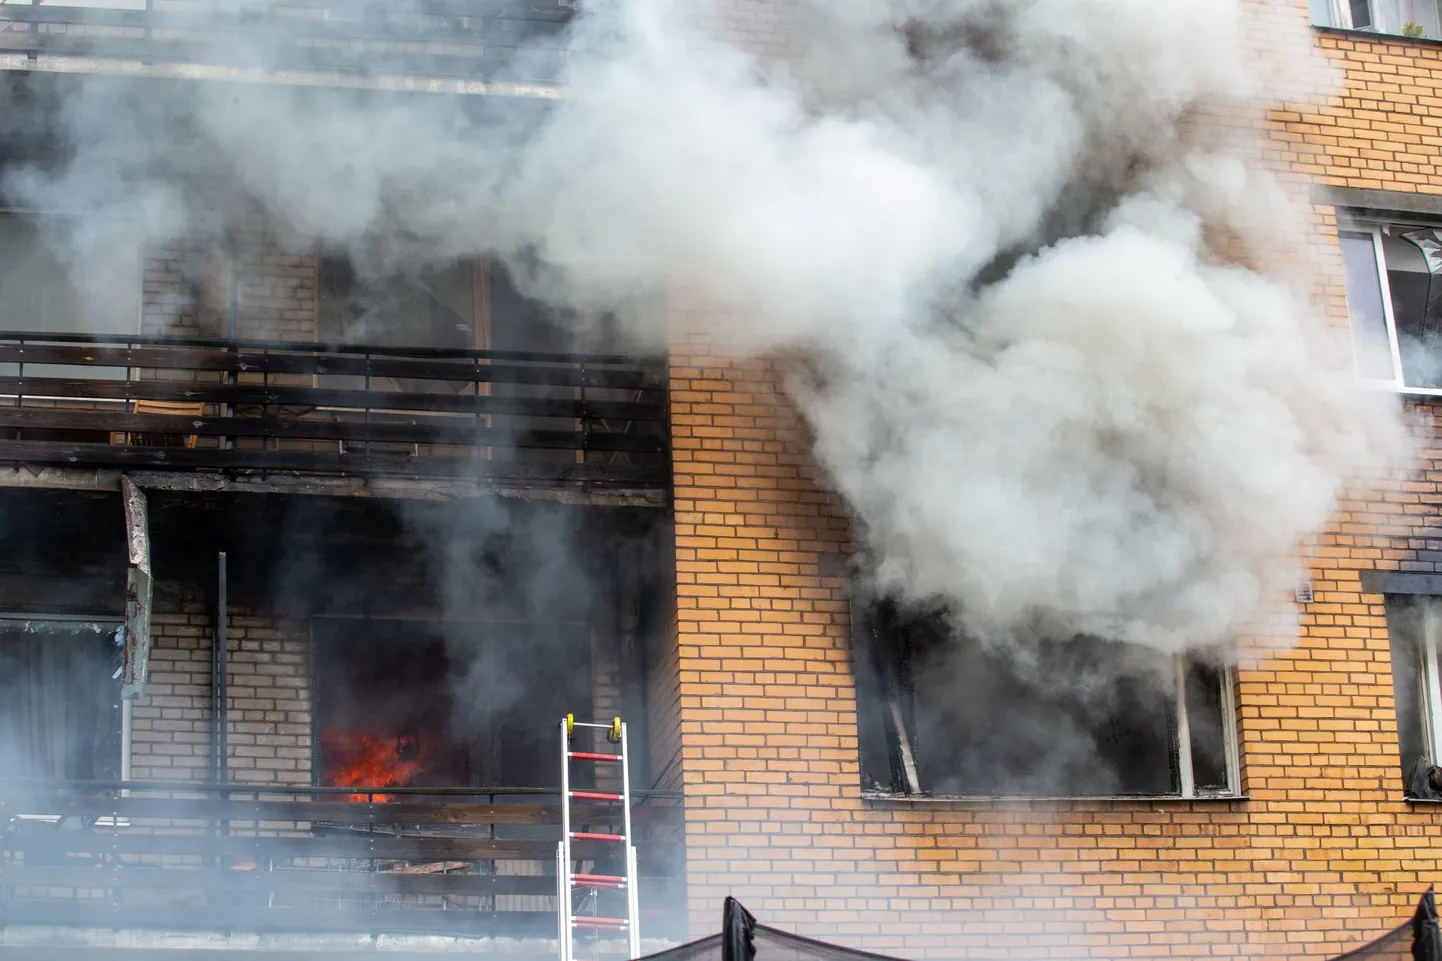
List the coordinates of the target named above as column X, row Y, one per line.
column 743, row 939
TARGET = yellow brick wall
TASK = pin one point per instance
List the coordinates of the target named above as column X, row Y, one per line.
column 1322, row 855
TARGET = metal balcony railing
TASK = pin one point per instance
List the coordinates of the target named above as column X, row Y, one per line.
column 269, row 857
column 189, row 404
column 470, row 39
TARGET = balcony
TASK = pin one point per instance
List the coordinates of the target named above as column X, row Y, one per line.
column 467, row 40
column 237, row 406
column 272, row 858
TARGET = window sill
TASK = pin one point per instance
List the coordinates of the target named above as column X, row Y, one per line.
column 1424, row 801
column 977, row 800
column 1374, row 35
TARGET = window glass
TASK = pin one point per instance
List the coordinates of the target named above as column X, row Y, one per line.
column 1414, row 277
column 1364, row 303
column 1206, row 726
column 59, row 704
column 1078, row 718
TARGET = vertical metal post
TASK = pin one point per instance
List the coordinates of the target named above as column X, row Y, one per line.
column 222, row 712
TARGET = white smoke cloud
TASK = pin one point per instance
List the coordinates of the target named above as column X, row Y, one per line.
column 1049, row 403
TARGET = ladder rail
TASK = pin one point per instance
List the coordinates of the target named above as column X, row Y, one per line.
column 633, row 929
column 567, row 878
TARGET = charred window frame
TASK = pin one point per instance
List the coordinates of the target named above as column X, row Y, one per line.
column 1393, row 276
column 1191, row 751
column 1414, row 630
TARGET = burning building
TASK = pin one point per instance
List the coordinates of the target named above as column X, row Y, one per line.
column 959, row 438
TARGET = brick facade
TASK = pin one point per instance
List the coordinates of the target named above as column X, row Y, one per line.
column 268, row 703
column 1322, row 854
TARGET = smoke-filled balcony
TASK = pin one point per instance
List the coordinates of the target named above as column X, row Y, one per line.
column 273, row 858
column 151, row 402
column 516, row 40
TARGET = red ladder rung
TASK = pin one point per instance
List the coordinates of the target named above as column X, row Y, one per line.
column 587, row 922
column 593, row 756
column 597, row 881
column 593, row 836
column 597, row 796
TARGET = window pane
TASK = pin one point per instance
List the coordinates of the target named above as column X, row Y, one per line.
column 37, row 292
column 427, row 309
column 1075, row 718
column 59, row 705
column 1404, row 630
column 1321, row 12
column 1417, row 18
column 1361, row 14
column 1364, row 303
column 1414, row 276
column 1205, row 722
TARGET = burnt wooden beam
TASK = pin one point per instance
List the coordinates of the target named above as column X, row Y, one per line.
column 190, row 391
column 274, row 461
column 422, row 429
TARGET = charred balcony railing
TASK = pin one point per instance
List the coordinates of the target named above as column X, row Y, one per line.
column 515, row 40
column 184, row 404
column 305, row 859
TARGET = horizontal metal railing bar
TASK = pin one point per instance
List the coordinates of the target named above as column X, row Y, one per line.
column 313, row 918
column 222, row 49
column 290, row 880
column 394, row 812
column 623, row 360
column 69, row 786
column 362, row 845
column 479, row 370
column 297, row 396
column 107, row 455
column 401, row 27
column 409, row 431
column 218, row 16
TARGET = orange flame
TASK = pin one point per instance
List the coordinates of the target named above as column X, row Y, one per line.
column 367, row 759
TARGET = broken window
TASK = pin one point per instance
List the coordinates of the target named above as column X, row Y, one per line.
column 1414, row 625
column 1407, row 18
column 59, row 699
column 1393, row 275
column 946, row 716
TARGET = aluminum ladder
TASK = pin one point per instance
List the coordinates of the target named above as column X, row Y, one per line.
column 568, row 881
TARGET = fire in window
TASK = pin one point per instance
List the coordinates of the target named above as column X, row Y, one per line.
column 945, row 716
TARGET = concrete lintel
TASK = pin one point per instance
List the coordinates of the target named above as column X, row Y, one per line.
column 72, row 478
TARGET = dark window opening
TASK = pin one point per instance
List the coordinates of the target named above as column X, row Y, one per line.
column 59, row 701
column 946, row 716
column 424, row 704
column 1413, row 623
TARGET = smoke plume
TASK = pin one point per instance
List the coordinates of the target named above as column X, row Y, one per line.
column 1052, row 399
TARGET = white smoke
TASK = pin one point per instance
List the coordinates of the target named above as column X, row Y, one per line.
column 1050, row 402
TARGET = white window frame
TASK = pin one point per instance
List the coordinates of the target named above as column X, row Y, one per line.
column 1232, row 759
column 1379, row 262
column 1398, row 382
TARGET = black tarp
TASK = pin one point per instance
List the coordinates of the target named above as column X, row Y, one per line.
column 743, row 939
